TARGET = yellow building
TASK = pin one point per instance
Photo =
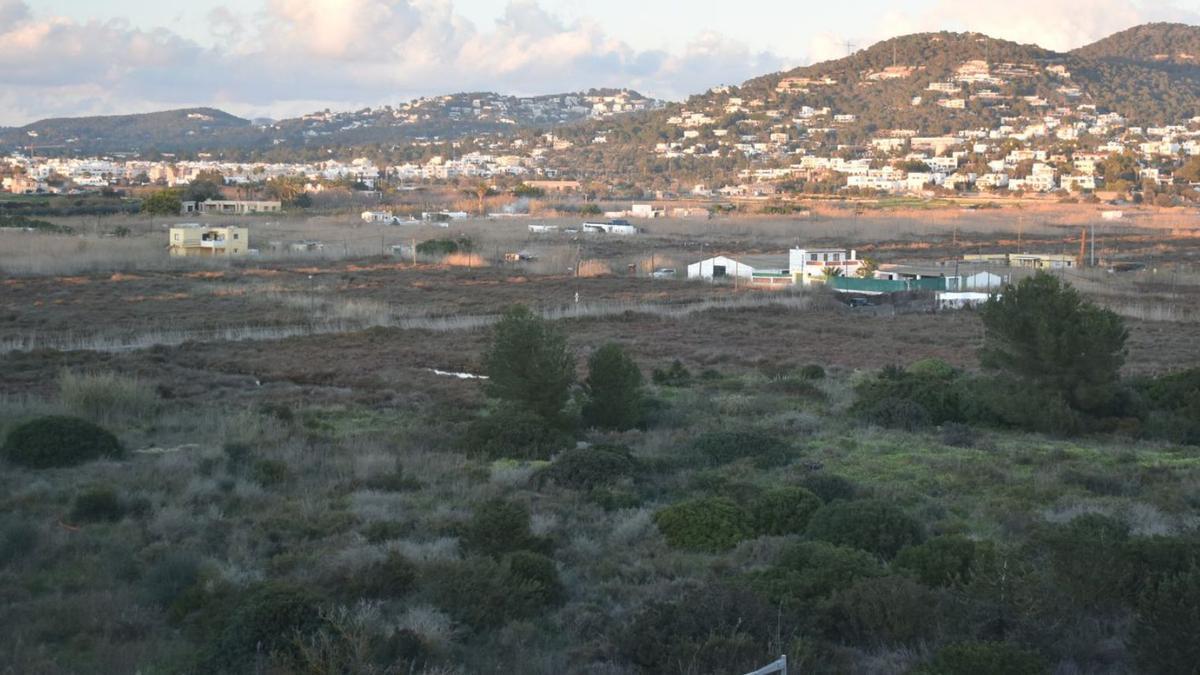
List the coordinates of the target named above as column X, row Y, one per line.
column 202, row 240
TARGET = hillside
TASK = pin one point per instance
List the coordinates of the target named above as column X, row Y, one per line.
column 1153, row 43
column 187, row 128
column 444, row 117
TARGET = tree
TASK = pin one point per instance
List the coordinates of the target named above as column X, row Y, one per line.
column 204, row 186
column 1042, row 332
column 163, row 203
column 528, row 363
column 614, row 387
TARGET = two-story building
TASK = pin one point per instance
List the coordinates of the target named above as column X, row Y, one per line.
column 195, row 240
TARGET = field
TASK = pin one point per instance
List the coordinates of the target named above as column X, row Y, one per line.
column 299, row 419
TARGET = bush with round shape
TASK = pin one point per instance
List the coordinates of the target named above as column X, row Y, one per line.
column 499, row 526
column 941, row 561
column 723, row 447
column 1167, row 623
column 782, row 511
column 95, row 505
column 587, row 468
column 59, row 441
column 869, row 524
column 270, row 614
column 719, row 629
column 812, row 569
column 883, row 610
column 392, row 577
column 1088, row 558
column 830, row 487
column 711, row 524
column 812, row 371
column 513, row 432
column 984, row 658
column 484, row 592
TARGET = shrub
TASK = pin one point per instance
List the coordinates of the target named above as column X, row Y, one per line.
column 614, row 387
column 268, row 472
column 711, row 524
column 812, row 371
column 392, row 577
column 783, row 511
column 984, row 658
column 723, row 447
column 483, row 592
column 587, row 468
column 498, row 526
column 941, row 561
column 871, row 525
column 57, row 441
column 169, row 577
column 674, row 376
column 1167, row 623
column 925, row 394
column 889, row 610
column 710, row 630
column 813, row 569
column 265, row 619
column 1005, row 402
column 528, row 363
column 1087, row 556
column 17, row 540
column 106, row 397
column 97, row 504
column 830, row 487
column 537, row 577
column 958, row 435
column 516, row 433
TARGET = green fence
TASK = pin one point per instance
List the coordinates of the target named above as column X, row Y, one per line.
column 855, row 284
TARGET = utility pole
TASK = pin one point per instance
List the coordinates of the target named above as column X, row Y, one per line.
column 1093, row 245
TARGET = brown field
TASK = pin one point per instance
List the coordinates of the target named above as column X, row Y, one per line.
column 349, row 322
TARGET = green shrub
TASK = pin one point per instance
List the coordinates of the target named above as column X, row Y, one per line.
column 812, row 371
column 984, row 658
column 97, row 504
column 264, row 620
column 537, row 577
column 941, row 561
column 927, row 393
column 888, row 610
column 674, row 376
column 813, row 569
column 106, row 397
column 1167, row 623
column 499, row 526
column 614, row 388
column 17, row 540
column 711, row 630
column 871, row 525
column 169, row 577
column 783, row 511
column 57, row 441
column 380, row 531
column 830, row 487
column 723, row 447
column 484, row 592
column 587, row 468
column 711, row 524
column 958, row 435
column 515, row 433
column 1005, row 402
column 1087, row 556
column 269, row 472
column 392, row 577
column 528, row 363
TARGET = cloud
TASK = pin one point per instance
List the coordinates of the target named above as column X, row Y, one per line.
column 293, row 54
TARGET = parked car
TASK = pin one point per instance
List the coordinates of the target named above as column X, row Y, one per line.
column 663, row 273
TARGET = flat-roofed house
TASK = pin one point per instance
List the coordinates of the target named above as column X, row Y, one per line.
column 195, row 240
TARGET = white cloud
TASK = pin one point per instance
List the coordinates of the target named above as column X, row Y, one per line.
column 340, row 53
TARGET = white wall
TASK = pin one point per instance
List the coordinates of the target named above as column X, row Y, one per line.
column 704, row 268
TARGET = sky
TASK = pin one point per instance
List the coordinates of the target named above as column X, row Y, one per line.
column 278, row 58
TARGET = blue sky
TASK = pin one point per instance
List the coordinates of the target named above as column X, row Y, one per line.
column 285, row 57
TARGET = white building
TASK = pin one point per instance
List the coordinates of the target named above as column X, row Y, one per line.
column 808, row 266
column 741, row 267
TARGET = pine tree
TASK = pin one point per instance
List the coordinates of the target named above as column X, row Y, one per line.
column 528, row 363
column 614, row 387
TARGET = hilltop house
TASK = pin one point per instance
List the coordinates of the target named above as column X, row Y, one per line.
column 193, row 240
